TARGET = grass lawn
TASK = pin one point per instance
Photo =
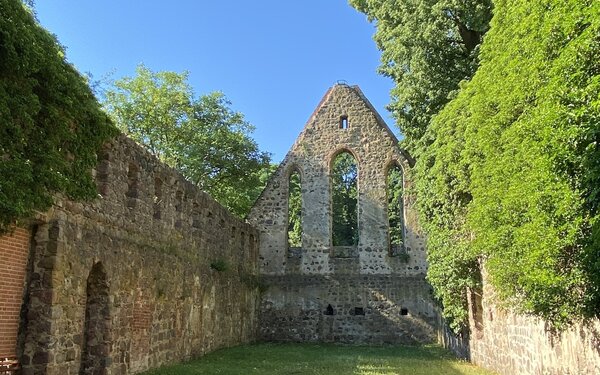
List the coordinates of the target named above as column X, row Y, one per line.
column 324, row 359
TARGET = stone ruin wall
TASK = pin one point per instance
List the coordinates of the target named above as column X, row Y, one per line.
column 510, row 343
column 375, row 297
column 143, row 252
column 154, row 298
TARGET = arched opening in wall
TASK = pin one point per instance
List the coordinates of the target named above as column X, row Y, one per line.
column 344, row 199
column 395, row 209
column 294, row 232
column 95, row 349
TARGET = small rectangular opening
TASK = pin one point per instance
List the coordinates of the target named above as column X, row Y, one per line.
column 344, row 122
column 404, row 311
column 329, row 310
column 359, row 311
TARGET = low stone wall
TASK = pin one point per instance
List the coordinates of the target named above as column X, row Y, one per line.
column 152, row 272
column 352, row 309
column 510, row 343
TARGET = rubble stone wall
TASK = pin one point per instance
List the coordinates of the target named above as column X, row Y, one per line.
column 152, row 272
column 510, row 343
column 302, row 284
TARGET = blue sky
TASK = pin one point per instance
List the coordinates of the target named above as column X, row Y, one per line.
column 273, row 59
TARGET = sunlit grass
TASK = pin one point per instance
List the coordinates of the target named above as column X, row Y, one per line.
column 325, row 359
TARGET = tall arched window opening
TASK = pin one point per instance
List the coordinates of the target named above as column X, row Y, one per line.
column 295, row 210
column 344, row 184
column 96, row 341
column 395, row 196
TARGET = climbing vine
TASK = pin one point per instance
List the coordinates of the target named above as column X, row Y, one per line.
column 50, row 123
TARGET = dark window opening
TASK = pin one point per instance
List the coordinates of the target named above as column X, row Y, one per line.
column 404, row 311
column 344, row 122
column 295, row 211
column 329, row 310
column 344, row 191
column 359, row 311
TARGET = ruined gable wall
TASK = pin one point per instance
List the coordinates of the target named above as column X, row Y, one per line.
column 165, row 303
column 302, row 284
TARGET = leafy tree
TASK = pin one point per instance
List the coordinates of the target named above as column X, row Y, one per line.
column 344, row 176
column 295, row 211
column 428, row 47
column 395, row 205
column 201, row 137
column 510, row 180
column 50, row 123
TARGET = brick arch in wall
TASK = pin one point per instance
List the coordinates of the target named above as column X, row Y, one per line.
column 96, row 345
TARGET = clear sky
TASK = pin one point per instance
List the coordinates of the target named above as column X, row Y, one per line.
column 273, row 59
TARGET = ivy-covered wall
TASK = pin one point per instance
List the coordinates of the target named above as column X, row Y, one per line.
column 51, row 123
column 153, row 271
column 510, row 176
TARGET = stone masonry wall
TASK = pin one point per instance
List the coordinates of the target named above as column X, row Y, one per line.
column 14, row 252
column 510, row 343
column 326, row 293
column 124, row 283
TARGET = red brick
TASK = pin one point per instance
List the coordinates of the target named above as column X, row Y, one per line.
column 14, row 249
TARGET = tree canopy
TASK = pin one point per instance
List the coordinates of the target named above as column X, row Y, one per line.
column 511, row 179
column 51, row 125
column 428, row 47
column 202, row 137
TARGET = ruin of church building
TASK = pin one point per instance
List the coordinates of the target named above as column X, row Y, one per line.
column 364, row 290
column 154, row 271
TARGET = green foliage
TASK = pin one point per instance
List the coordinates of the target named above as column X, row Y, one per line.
column 395, row 205
column 295, row 210
column 220, row 265
column 50, row 123
column 511, row 175
column 203, row 138
column 344, row 175
column 428, row 47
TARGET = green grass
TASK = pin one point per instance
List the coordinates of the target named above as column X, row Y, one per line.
column 324, row 359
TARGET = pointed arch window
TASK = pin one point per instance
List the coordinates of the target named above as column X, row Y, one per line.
column 344, row 184
column 294, row 233
column 395, row 201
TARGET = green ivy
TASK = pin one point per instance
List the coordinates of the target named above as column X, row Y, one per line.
column 50, row 123
column 510, row 178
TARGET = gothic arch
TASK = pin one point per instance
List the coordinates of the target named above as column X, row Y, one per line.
column 344, row 183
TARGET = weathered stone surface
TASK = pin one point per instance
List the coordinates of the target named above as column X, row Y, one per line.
column 303, row 282
column 164, row 302
column 510, row 343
